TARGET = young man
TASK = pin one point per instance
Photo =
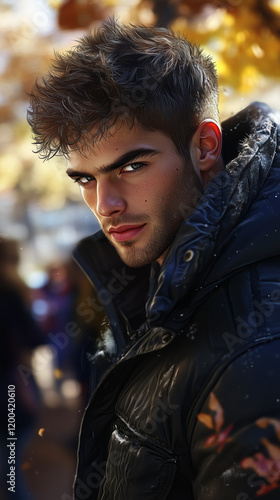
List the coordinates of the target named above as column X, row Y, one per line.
column 186, row 263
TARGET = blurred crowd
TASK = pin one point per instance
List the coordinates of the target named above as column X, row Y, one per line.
column 45, row 352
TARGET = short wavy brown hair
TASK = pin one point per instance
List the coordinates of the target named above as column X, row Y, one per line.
column 123, row 73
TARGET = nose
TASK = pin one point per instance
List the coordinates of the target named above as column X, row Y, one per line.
column 109, row 199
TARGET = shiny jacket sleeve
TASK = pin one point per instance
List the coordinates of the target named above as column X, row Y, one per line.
column 236, row 438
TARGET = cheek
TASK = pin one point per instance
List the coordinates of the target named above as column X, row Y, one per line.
column 90, row 199
column 146, row 198
column 154, row 194
column 169, row 185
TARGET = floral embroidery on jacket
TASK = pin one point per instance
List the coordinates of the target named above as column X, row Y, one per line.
column 266, row 466
column 216, row 422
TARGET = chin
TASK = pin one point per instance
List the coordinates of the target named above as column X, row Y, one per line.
column 134, row 260
column 139, row 257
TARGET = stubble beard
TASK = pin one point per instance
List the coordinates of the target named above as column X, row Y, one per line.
column 164, row 231
column 135, row 256
column 166, row 226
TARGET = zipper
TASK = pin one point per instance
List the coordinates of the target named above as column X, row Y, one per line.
column 136, row 437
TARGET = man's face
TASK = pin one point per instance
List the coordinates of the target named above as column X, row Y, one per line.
column 140, row 190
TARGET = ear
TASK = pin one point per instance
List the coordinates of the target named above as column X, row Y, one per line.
column 206, row 148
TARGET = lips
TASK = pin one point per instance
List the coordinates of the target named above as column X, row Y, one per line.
column 126, row 232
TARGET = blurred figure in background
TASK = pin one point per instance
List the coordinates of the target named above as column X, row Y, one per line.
column 19, row 335
column 69, row 326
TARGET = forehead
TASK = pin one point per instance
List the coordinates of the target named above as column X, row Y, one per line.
column 121, row 140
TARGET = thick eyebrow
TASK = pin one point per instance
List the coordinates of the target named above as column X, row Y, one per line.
column 127, row 157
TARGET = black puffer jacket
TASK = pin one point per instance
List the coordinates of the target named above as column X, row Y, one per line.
column 191, row 409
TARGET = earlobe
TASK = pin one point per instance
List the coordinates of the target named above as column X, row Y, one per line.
column 206, row 145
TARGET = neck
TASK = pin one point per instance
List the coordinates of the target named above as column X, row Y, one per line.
column 162, row 257
column 208, row 175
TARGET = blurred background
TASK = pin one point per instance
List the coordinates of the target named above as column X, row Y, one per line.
column 45, row 340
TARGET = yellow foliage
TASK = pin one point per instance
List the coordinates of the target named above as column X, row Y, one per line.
column 275, row 6
column 55, row 4
column 10, row 170
column 249, row 78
